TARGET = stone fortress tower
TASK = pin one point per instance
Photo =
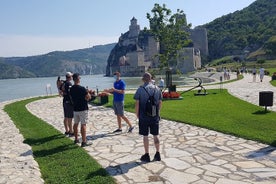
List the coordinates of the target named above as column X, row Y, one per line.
column 136, row 52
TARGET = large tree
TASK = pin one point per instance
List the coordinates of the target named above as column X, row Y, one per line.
column 171, row 31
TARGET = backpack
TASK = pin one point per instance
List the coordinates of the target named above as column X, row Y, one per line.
column 151, row 107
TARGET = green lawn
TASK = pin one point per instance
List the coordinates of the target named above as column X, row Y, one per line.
column 59, row 159
column 221, row 112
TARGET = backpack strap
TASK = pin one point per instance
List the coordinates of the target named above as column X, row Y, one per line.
column 148, row 92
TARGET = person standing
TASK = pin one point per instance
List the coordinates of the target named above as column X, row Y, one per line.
column 161, row 83
column 80, row 95
column 67, row 105
column 59, row 84
column 254, row 73
column 148, row 124
column 262, row 73
column 118, row 92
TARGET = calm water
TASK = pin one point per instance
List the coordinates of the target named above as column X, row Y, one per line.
column 28, row 87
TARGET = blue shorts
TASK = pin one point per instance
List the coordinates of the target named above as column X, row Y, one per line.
column 118, row 108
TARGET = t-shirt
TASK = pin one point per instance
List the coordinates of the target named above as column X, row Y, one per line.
column 67, row 86
column 120, row 85
column 78, row 94
column 142, row 96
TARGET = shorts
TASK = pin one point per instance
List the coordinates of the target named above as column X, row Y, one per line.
column 118, row 108
column 81, row 116
column 148, row 126
column 68, row 110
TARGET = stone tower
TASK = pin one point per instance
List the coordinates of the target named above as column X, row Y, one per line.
column 134, row 28
column 200, row 40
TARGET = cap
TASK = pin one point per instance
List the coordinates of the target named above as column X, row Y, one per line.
column 68, row 74
column 146, row 77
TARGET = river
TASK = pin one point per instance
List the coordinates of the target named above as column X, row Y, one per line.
column 29, row 87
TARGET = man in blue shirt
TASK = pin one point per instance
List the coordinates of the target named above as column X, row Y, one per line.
column 118, row 92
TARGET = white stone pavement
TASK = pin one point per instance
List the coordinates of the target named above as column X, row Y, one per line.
column 189, row 154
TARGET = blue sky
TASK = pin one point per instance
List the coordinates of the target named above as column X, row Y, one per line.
column 33, row 27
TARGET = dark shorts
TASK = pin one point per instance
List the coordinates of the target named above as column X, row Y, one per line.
column 68, row 110
column 148, row 126
column 118, row 108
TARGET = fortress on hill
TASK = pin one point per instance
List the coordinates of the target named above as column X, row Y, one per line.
column 135, row 52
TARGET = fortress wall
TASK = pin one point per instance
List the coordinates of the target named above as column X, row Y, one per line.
column 200, row 40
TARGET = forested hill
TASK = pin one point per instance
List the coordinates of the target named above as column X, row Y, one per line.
column 85, row 61
column 247, row 29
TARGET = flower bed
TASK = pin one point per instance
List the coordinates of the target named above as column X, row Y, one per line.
column 171, row 95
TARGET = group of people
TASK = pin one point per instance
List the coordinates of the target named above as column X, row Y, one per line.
column 75, row 105
column 75, row 98
column 261, row 72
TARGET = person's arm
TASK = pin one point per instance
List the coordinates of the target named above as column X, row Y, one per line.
column 137, row 108
column 121, row 91
column 160, row 104
column 87, row 95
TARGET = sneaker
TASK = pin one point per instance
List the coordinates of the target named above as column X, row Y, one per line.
column 84, row 144
column 76, row 141
column 66, row 133
column 71, row 134
column 145, row 158
column 157, row 157
column 130, row 129
column 118, row 130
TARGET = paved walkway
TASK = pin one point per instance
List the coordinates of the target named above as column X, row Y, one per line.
column 189, row 154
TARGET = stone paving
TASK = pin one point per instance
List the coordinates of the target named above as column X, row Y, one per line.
column 189, row 154
column 17, row 164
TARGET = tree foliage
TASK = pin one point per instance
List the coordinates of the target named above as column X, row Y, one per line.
column 247, row 29
column 170, row 30
column 270, row 46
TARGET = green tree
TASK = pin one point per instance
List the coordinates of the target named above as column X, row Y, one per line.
column 170, row 30
column 270, row 45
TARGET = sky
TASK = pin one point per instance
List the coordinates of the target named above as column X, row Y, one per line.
column 35, row 27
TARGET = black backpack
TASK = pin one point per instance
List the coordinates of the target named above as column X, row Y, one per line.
column 151, row 108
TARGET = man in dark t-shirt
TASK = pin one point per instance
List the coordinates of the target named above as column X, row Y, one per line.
column 80, row 95
column 67, row 105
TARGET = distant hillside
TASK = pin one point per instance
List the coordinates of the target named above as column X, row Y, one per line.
column 242, row 31
column 84, row 61
column 10, row 71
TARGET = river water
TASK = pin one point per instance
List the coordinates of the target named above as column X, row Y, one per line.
column 29, row 87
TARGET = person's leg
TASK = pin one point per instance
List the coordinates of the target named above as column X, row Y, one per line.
column 76, row 130
column 70, row 118
column 76, row 124
column 70, row 126
column 65, row 122
column 146, row 143
column 126, row 120
column 84, row 120
column 156, row 142
column 119, row 121
column 83, row 132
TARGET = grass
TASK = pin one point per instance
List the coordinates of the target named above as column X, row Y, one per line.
column 271, row 71
column 221, row 112
column 60, row 161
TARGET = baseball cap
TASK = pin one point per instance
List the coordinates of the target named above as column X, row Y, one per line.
column 68, row 74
